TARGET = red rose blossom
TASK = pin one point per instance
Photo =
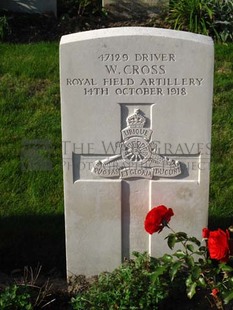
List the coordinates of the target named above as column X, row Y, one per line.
column 205, row 233
column 215, row 292
column 218, row 245
column 157, row 218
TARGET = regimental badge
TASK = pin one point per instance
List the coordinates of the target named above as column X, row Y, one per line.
column 138, row 158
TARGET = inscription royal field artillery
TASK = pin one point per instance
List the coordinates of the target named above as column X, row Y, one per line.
column 138, row 156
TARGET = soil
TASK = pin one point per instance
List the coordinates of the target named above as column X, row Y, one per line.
column 28, row 28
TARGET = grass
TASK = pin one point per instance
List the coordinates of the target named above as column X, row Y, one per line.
column 221, row 177
column 31, row 213
column 30, row 113
column 31, row 187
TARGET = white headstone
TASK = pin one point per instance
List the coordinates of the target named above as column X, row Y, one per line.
column 136, row 128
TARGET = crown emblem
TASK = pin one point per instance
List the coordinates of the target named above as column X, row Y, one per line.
column 136, row 120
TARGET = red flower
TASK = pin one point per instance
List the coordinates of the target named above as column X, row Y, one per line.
column 205, row 233
column 218, row 245
column 157, row 218
column 215, row 292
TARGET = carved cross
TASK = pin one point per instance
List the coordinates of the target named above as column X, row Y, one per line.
column 139, row 169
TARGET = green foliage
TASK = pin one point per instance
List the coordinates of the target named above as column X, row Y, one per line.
column 223, row 20
column 200, row 271
column 146, row 282
column 15, row 298
column 28, row 293
column 135, row 285
column 192, row 15
column 211, row 17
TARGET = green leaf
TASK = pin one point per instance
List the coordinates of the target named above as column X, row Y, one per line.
column 159, row 271
column 189, row 281
column 190, row 247
column 201, row 261
column 201, row 282
column 171, row 240
column 228, row 297
column 136, row 253
column 179, row 254
column 225, row 267
column 195, row 240
column 196, row 271
column 167, row 258
column 176, row 266
column 190, row 261
column 181, row 236
column 191, row 290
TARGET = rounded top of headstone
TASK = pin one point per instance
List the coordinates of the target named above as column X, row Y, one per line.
column 135, row 31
